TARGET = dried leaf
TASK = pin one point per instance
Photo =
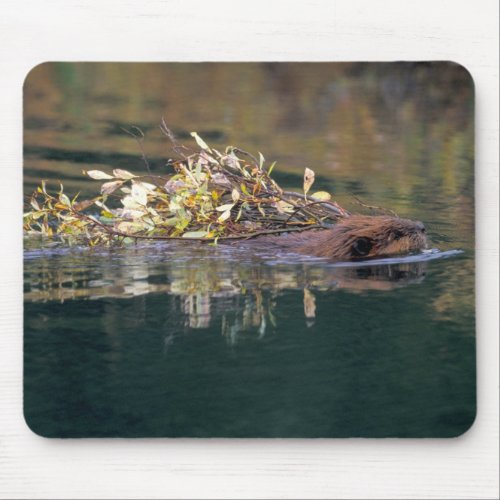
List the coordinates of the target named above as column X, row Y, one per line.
column 223, row 208
column 131, row 202
column 139, row 193
column 195, row 234
column 308, row 179
column 82, row 205
column 123, row 174
column 224, row 216
column 98, row 175
column 235, row 195
column 110, row 187
column 261, row 160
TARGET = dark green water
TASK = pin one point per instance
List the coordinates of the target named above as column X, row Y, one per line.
column 172, row 340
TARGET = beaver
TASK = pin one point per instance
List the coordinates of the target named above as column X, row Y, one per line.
column 357, row 237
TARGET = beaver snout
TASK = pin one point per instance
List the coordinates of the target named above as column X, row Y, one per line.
column 420, row 226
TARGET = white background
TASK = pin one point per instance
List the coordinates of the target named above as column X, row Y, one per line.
column 181, row 30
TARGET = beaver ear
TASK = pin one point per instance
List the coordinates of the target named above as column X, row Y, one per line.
column 361, row 247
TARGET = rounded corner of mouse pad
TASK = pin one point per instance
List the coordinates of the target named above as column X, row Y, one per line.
column 249, row 250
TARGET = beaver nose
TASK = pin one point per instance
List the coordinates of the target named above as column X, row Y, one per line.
column 420, row 226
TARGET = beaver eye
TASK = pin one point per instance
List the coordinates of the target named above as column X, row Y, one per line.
column 397, row 235
column 361, row 247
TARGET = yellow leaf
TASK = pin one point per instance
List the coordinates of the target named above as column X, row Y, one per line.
column 322, row 196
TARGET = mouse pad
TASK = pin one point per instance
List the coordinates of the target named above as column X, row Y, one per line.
column 249, row 250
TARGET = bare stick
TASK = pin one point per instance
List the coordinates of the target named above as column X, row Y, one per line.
column 373, row 207
column 140, row 141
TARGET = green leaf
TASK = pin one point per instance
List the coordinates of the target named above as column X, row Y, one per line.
column 200, row 142
column 271, row 168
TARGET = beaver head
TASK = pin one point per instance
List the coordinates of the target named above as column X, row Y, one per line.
column 361, row 237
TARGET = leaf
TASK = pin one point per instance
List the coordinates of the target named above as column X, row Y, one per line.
column 82, row 205
column 273, row 164
column 109, row 187
column 308, row 179
column 235, row 195
column 34, row 204
column 131, row 202
column 123, row 174
column 224, row 216
column 64, row 200
column 195, row 234
column 223, row 208
column 200, row 142
column 174, row 205
column 261, row 160
column 148, row 186
column 98, row 175
column 283, row 206
column 139, row 193
column 240, row 211
column 322, row 196
column 130, row 227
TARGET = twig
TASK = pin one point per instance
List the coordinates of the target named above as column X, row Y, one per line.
column 164, row 238
column 250, row 155
column 301, row 208
column 140, row 141
column 373, row 207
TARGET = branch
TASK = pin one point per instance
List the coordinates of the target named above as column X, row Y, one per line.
column 140, row 140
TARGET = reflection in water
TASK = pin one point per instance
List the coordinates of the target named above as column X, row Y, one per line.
column 203, row 277
column 172, row 340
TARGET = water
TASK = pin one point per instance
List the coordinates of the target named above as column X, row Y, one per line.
column 195, row 340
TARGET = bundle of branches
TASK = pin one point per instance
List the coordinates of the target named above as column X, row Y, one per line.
column 208, row 195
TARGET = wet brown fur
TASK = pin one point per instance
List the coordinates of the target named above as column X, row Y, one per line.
column 358, row 237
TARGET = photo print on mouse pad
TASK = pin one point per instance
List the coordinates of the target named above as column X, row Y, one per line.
column 249, row 250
